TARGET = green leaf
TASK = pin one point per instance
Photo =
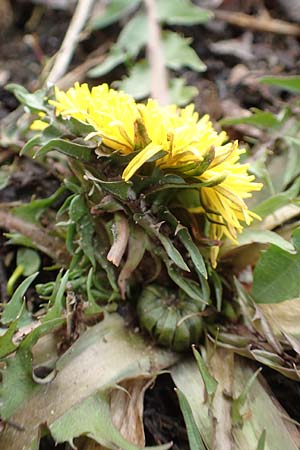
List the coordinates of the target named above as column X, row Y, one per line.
column 93, row 307
column 35, row 102
column 187, row 241
column 250, row 236
column 182, row 12
column 55, row 306
column 28, row 262
column 5, row 174
column 151, row 227
column 70, row 237
column 6, row 344
column 19, row 239
column 75, row 126
column 180, row 93
column 178, row 52
column 137, row 83
column 172, row 252
column 14, row 308
column 115, row 57
column 210, row 382
column 264, row 119
column 296, row 238
column 17, row 383
column 108, row 348
column 276, row 276
column 193, row 250
column 44, row 137
column 292, row 168
column 288, row 83
column 194, row 436
column 29, row 259
column 115, row 9
column 278, row 200
column 86, row 231
column 106, row 265
column 239, row 402
column 264, row 414
column 218, row 288
column 92, row 417
column 120, row 189
column 134, row 35
column 30, row 144
column 31, row 212
column 77, row 151
column 262, row 441
column 190, row 287
column 78, row 208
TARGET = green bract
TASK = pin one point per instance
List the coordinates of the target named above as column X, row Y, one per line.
column 172, row 318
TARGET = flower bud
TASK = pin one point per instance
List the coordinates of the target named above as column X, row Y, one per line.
column 171, row 318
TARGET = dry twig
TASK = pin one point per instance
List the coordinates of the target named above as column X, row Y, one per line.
column 259, row 23
column 79, row 72
column 50, row 245
column 159, row 76
column 66, row 51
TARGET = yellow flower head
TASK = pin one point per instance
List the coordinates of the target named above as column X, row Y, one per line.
column 111, row 113
column 199, row 154
column 179, row 141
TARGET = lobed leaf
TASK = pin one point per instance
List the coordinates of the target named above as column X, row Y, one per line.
column 178, row 52
column 186, row 239
column 210, row 382
column 114, row 10
column 259, row 118
column 69, row 403
column 14, row 309
column 261, row 411
column 249, row 236
column 77, row 151
column 115, row 57
column 194, row 436
column 35, row 102
column 32, row 211
column 6, row 344
column 276, row 276
column 182, row 12
column 288, row 83
column 277, row 201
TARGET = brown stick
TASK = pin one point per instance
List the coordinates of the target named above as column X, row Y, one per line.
column 259, row 23
column 70, row 41
column 50, row 245
column 79, row 72
column 159, row 75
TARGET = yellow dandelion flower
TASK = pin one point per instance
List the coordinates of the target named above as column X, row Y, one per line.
column 112, row 113
column 200, row 154
column 152, row 118
column 179, row 142
column 179, row 133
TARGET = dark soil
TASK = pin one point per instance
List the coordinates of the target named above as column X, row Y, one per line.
column 228, row 86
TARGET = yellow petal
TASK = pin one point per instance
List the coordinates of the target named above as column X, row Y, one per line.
column 143, row 156
column 38, row 125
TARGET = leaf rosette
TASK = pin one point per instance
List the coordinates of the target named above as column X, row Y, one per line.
column 153, row 191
